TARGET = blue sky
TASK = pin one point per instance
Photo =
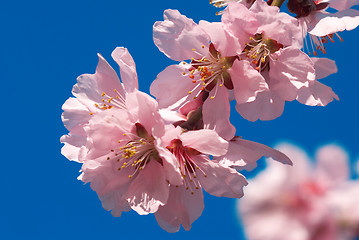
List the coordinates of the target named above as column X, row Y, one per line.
column 45, row 45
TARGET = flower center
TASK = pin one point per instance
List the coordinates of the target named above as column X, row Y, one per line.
column 108, row 102
column 187, row 165
column 137, row 152
column 258, row 51
column 208, row 72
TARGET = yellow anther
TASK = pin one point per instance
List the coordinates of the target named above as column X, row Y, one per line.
column 144, row 143
column 193, row 49
column 124, row 134
column 119, row 141
column 129, row 176
column 204, row 84
column 108, row 158
column 212, row 98
column 133, row 164
column 202, row 46
column 221, row 85
column 183, row 73
column 96, row 105
column 192, row 71
column 91, row 113
column 103, row 94
column 115, row 90
column 189, row 92
column 140, row 168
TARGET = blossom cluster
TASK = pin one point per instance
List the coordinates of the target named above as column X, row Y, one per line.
column 315, row 203
column 156, row 155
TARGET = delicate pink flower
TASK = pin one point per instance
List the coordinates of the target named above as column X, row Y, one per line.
column 272, row 55
column 126, row 163
column 300, row 203
column 214, row 63
column 185, row 202
column 118, row 139
column 95, row 93
column 321, row 25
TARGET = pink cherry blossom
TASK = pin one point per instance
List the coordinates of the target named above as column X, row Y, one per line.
column 115, row 132
column 126, row 163
column 95, row 93
column 185, row 202
column 321, row 25
column 302, row 203
column 272, row 56
column 213, row 52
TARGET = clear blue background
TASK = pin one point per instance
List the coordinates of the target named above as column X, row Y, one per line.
column 45, row 45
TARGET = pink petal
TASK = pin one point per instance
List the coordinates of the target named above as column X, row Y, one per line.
column 182, row 208
column 240, row 21
column 223, row 40
column 267, row 106
column 73, row 143
column 317, row 94
column 170, row 165
column 325, row 24
column 341, row 5
column 324, row 67
column 291, row 70
column 111, row 123
column 75, row 113
column 247, row 81
column 144, row 110
column 244, row 154
column 149, row 189
column 219, row 180
column 205, row 141
column 89, row 87
column 276, row 25
column 177, row 35
column 332, row 164
column 109, row 183
column 171, row 87
column 216, row 114
column 127, row 68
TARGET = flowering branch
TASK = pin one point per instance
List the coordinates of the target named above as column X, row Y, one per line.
column 277, row 3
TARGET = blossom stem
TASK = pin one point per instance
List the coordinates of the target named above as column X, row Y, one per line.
column 277, row 3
